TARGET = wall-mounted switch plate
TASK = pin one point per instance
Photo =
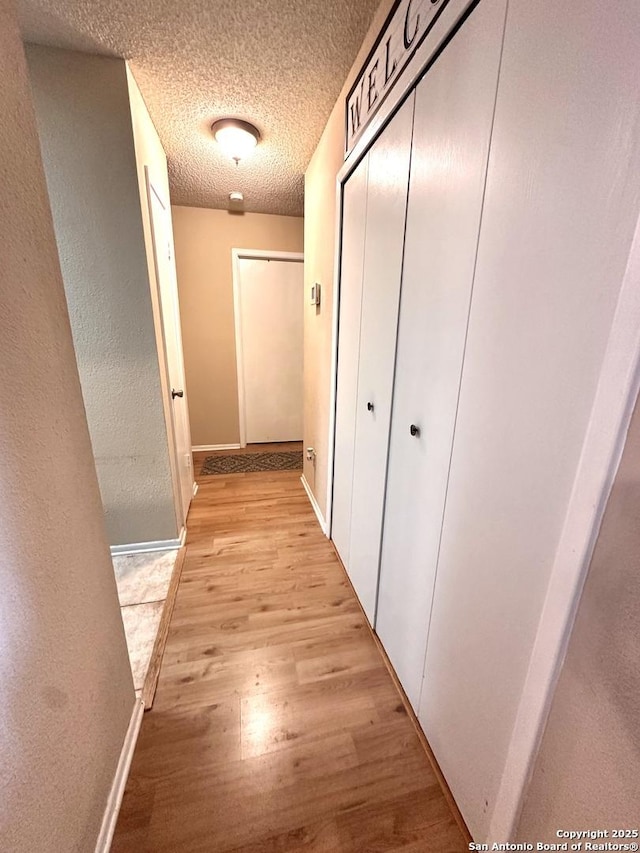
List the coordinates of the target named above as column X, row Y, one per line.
column 315, row 294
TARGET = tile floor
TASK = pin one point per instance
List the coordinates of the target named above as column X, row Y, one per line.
column 143, row 581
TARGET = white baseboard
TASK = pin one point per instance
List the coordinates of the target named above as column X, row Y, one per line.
column 216, row 447
column 147, row 547
column 195, row 488
column 110, row 818
column 314, row 504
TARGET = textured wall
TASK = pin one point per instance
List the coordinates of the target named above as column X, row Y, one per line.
column 586, row 774
column 320, row 232
column 203, row 240
column 84, row 119
column 67, row 694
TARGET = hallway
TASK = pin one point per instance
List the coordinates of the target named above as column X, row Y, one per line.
column 403, row 236
column 276, row 725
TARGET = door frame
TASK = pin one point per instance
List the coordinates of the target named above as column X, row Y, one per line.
column 165, row 381
column 617, row 391
column 252, row 255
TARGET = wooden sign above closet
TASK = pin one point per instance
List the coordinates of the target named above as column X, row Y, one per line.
column 406, row 27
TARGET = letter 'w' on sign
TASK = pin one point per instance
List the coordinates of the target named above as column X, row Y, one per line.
column 406, row 28
column 355, row 108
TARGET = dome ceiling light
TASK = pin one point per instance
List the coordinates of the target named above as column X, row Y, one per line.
column 236, row 138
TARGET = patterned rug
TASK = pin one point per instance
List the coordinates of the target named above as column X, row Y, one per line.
column 248, row 463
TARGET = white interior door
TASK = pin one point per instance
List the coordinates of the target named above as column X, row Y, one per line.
column 354, row 217
column 269, row 326
column 452, row 128
column 388, row 184
column 169, row 306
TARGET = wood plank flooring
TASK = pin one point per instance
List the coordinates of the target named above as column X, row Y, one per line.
column 276, row 726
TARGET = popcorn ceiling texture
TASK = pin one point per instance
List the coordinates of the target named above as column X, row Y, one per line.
column 277, row 63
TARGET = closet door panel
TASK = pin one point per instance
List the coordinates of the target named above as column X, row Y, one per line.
column 453, row 120
column 560, row 211
column 386, row 208
column 353, row 231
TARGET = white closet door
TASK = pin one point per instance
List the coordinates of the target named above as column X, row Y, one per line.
column 354, row 215
column 560, row 211
column 452, row 128
column 386, row 209
column 271, row 302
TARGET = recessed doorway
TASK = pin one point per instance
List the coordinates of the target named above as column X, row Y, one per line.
column 268, row 289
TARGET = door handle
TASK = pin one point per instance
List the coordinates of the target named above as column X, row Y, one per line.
column 414, row 430
column 370, row 406
column 175, row 394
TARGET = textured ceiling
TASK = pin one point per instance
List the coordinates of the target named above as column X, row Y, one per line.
column 277, row 63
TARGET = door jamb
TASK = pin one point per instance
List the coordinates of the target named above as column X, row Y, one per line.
column 165, row 381
column 236, row 256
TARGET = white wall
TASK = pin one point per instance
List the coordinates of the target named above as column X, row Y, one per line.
column 67, row 693
column 586, row 774
column 87, row 140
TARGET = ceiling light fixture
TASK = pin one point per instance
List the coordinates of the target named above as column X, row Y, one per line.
column 237, row 138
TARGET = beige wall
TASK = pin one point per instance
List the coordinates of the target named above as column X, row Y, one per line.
column 67, row 693
column 86, row 134
column 320, row 234
column 204, row 240
column 586, row 773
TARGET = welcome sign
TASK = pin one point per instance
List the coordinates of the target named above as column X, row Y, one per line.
column 407, row 26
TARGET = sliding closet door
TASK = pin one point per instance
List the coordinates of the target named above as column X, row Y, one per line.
column 452, row 129
column 353, row 231
column 559, row 216
column 384, row 241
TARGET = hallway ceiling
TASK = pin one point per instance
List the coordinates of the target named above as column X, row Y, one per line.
column 277, row 63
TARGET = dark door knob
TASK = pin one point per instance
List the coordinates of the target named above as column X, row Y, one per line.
column 175, row 394
column 370, row 406
column 414, row 430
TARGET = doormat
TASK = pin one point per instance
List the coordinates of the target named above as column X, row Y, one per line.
column 249, row 463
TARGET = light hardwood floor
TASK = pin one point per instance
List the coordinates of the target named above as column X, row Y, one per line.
column 276, row 725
